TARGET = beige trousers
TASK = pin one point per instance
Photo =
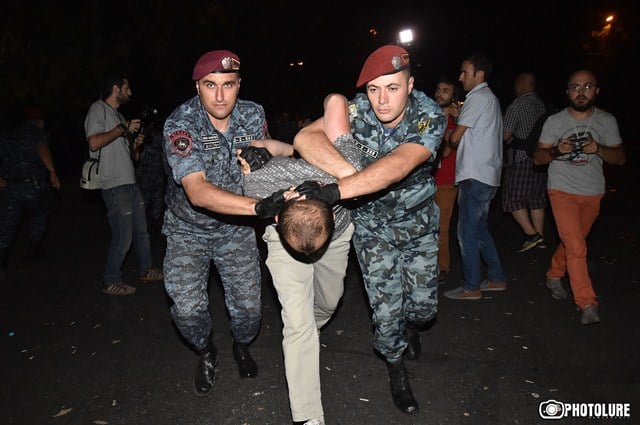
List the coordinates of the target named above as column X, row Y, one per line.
column 309, row 295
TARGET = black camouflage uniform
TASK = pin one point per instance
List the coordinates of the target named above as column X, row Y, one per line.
column 151, row 176
column 196, row 236
column 27, row 188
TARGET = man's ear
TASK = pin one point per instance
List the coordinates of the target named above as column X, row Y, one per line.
column 276, row 218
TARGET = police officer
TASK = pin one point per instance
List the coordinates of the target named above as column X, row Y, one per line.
column 396, row 219
column 151, row 176
column 27, row 174
column 203, row 201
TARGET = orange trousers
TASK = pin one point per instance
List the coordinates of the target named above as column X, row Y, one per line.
column 574, row 216
column 445, row 198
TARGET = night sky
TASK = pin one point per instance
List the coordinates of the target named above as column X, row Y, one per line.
column 56, row 56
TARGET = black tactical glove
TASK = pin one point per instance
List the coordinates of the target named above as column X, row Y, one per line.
column 271, row 205
column 255, row 157
column 329, row 193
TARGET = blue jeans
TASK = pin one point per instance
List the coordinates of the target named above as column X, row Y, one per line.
column 476, row 243
column 128, row 222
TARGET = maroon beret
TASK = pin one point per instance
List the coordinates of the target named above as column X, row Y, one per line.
column 216, row 61
column 387, row 59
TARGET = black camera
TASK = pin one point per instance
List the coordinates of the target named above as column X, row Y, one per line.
column 147, row 119
column 578, row 143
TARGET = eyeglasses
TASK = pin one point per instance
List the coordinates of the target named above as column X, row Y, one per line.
column 587, row 87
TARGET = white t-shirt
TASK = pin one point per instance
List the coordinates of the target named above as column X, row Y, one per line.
column 116, row 166
column 582, row 174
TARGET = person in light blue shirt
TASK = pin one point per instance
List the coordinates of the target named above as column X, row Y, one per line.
column 478, row 138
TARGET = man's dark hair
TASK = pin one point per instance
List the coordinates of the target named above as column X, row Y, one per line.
column 457, row 92
column 306, row 227
column 108, row 84
column 481, row 62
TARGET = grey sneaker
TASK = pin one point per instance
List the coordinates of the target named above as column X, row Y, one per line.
column 487, row 285
column 557, row 290
column 460, row 293
column 590, row 314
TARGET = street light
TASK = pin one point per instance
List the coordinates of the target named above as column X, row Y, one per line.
column 406, row 36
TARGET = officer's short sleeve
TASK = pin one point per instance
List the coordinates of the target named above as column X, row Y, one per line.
column 428, row 130
column 183, row 149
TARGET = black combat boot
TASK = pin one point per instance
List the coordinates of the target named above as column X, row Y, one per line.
column 204, row 377
column 400, row 387
column 414, row 347
column 246, row 365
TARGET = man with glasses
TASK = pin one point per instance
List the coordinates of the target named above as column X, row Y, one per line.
column 575, row 142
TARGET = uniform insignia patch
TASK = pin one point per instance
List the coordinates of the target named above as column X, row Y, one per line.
column 353, row 110
column 181, row 142
column 423, row 125
column 243, row 139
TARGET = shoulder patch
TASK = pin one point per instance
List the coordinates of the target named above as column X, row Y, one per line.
column 423, row 125
column 181, row 142
column 353, row 110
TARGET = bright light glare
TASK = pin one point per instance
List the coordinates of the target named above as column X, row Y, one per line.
column 406, row 36
column 610, row 18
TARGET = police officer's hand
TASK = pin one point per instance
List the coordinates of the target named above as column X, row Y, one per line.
column 255, row 157
column 271, row 205
column 329, row 193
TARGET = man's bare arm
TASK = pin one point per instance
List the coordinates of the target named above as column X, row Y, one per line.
column 384, row 172
column 314, row 142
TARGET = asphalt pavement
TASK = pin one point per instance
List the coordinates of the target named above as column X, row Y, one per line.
column 73, row 355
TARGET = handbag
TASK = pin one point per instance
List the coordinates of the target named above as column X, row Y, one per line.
column 90, row 178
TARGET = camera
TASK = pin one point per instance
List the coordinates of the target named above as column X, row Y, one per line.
column 577, row 143
column 147, row 119
column 551, row 409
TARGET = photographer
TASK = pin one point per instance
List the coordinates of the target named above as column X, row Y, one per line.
column 110, row 141
column 575, row 142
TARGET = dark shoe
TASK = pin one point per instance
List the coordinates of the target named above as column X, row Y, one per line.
column 401, row 389
column 460, row 293
column 531, row 242
column 442, row 277
column 152, row 275
column 204, row 377
column 119, row 288
column 414, row 347
column 246, row 365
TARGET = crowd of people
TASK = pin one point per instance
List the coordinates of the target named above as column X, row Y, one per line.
column 382, row 173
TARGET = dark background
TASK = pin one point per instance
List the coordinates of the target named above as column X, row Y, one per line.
column 56, row 55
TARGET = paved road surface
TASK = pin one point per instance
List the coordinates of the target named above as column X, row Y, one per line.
column 72, row 355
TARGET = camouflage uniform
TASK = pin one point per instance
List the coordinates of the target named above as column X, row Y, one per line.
column 196, row 236
column 396, row 236
column 27, row 188
column 151, row 176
